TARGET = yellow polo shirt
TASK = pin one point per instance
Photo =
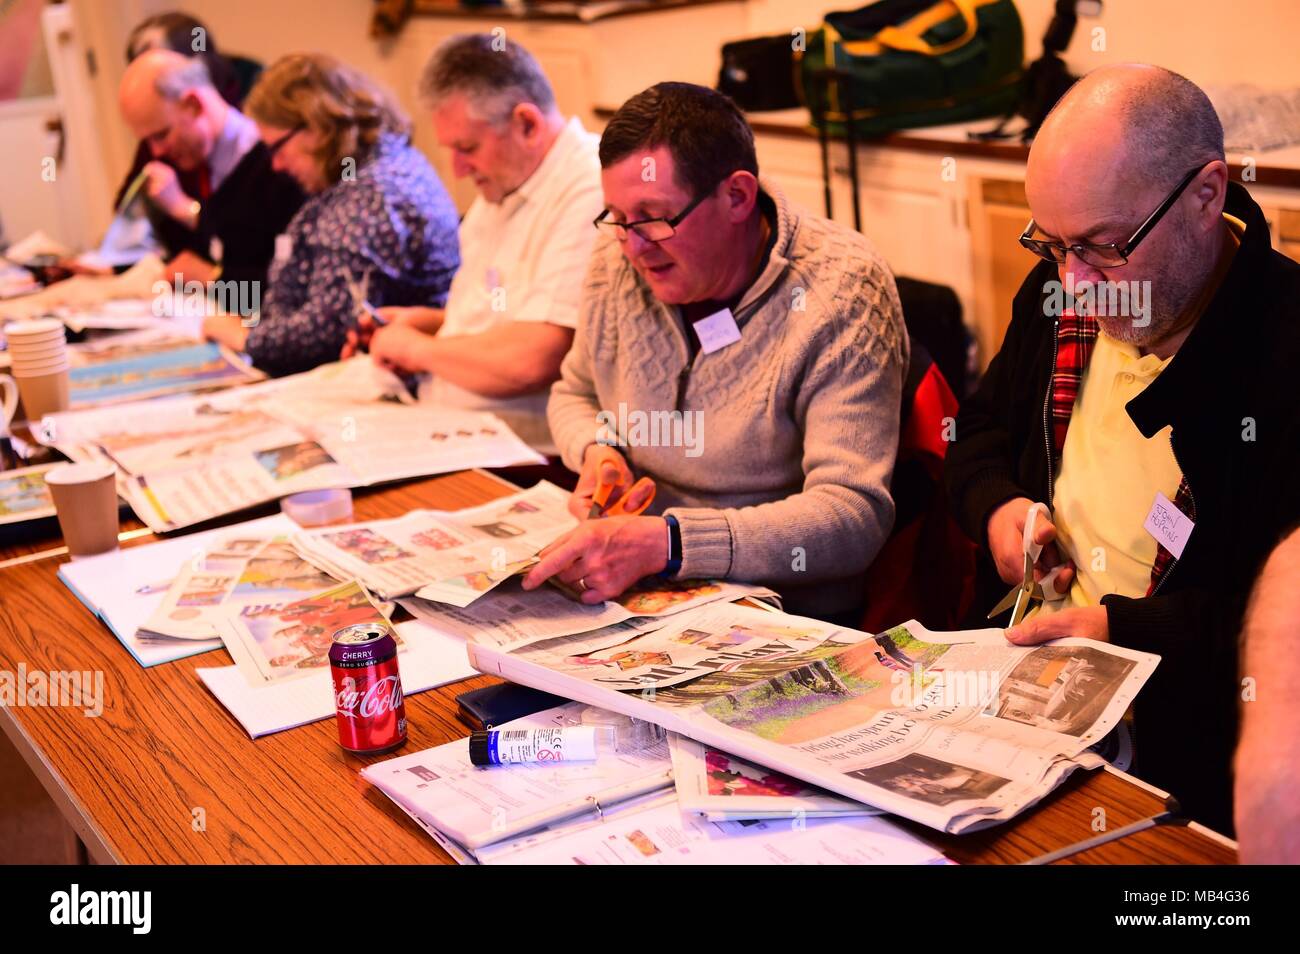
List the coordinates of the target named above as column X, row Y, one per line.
column 1110, row 473
column 1109, row 477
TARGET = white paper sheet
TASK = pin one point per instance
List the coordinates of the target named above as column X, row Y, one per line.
column 431, row 660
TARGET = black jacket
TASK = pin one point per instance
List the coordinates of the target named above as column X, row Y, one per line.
column 1230, row 395
column 250, row 208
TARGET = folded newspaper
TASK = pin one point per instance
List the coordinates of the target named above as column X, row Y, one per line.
column 238, row 570
column 510, row 617
column 184, row 460
column 452, row 557
column 957, row 731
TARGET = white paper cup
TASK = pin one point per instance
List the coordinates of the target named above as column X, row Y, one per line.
column 85, row 498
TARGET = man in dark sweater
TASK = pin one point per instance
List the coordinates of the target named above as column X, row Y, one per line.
column 228, row 229
column 1141, row 393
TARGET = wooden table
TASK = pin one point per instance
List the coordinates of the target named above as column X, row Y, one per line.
column 131, row 780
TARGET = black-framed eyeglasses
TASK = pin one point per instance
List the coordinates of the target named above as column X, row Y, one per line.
column 652, row 230
column 1112, row 254
column 279, row 144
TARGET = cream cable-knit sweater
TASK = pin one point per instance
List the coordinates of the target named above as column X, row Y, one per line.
column 798, row 419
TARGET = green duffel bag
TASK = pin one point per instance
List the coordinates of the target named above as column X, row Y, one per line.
column 901, row 64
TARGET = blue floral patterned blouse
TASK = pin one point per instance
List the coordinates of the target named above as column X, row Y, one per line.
column 393, row 225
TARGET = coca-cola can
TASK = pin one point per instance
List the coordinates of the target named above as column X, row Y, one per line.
column 367, row 689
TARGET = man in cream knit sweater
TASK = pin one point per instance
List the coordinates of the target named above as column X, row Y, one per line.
column 747, row 357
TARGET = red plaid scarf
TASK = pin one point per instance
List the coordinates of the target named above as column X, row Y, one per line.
column 1075, row 337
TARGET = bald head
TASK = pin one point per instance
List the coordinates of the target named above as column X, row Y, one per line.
column 1144, row 123
column 168, row 101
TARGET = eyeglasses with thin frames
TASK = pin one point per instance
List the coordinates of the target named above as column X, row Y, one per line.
column 1111, row 254
column 651, row 230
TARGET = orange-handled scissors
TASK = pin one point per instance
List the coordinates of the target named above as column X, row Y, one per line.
column 601, row 507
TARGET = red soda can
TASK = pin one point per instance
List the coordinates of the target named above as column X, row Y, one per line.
column 367, row 689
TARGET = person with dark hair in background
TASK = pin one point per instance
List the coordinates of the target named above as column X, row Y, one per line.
column 378, row 221
column 770, row 341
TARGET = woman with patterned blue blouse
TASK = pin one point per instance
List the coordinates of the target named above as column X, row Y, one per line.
column 377, row 220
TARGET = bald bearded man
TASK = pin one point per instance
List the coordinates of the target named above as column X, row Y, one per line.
column 1141, row 394
column 228, row 229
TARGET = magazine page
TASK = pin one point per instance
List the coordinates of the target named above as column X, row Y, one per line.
column 23, row 494
column 722, row 787
column 476, row 806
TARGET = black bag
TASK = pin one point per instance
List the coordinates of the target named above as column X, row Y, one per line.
column 759, row 73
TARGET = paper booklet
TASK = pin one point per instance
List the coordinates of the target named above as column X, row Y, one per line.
column 23, row 494
column 448, row 556
column 509, row 617
column 146, row 371
column 722, row 787
column 236, row 571
column 430, row 659
column 126, row 587
column 957, row 731
column 184, row 460
column 272, row 642
column 474, row 807
column 654, row 831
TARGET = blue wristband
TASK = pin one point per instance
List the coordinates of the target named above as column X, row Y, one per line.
column 674, row 547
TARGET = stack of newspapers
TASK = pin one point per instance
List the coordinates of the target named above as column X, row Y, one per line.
column 627, row 807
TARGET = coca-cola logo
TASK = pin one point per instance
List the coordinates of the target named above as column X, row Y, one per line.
column 383, row 696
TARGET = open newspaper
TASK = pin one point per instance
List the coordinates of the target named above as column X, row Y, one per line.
column 509, row 617
column 452, row 556
column 184, row 460
column 956, row 731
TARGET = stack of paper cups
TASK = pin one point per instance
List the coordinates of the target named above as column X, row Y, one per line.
column 38, row 354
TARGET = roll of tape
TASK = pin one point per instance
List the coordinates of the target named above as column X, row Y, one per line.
column 315, row 508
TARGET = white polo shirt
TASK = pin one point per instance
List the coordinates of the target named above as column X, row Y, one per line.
column 523, row 259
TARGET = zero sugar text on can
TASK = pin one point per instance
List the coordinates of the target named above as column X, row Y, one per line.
column 367, row 689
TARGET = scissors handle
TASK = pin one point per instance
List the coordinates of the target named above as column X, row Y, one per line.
column 601, row 507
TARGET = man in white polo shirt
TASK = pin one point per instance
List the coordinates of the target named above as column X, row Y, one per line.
column 524, row 242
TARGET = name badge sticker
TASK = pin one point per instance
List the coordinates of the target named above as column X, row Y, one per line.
column 1168, row 525
column 717, row 331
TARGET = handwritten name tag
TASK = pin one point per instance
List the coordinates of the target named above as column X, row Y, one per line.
column 1169, row 525
column 717, row 331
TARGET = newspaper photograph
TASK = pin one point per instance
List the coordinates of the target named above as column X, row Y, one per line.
column 450, row 557
column 953, row 730
column 271, row 642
